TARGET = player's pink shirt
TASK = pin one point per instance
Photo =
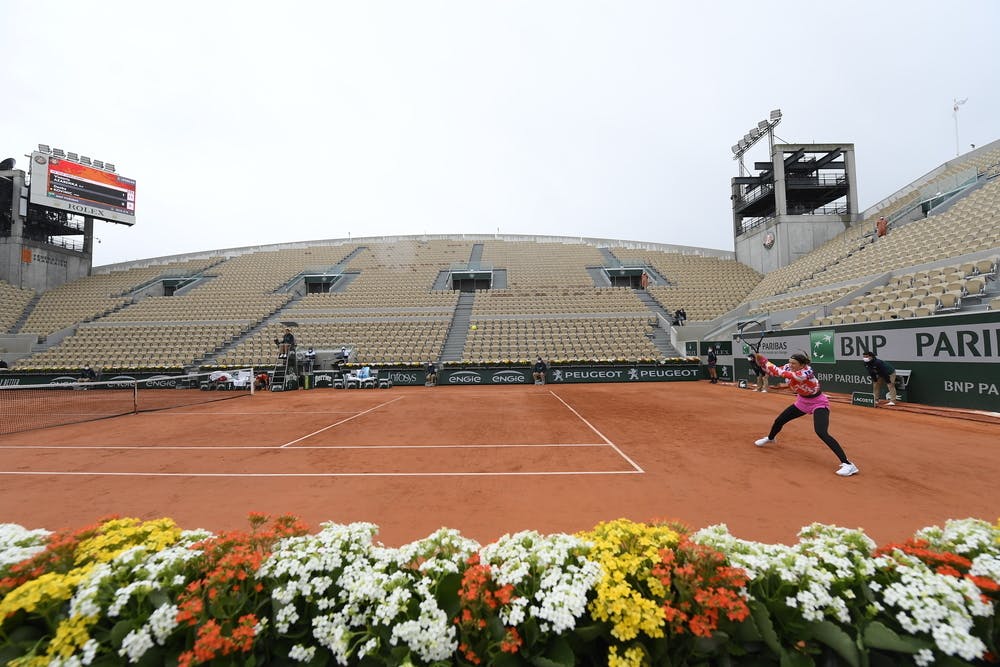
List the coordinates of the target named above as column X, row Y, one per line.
column 803, row 381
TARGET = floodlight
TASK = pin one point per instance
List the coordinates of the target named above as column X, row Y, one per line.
column 72, row 156
column 747, row 138
column 742, row 144
column 735, row 148
column 84, row 159
column 43, row 148
column 109, row 166
column 98, row 164
column 776, row 115
column 754, row 133
column 58, row 152
column 762, row 125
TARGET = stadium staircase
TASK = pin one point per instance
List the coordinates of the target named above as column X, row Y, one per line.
column 661, row 335
column 270, row 318
column 476, row 255
column 30, row 306
column 454, row 343
column 599, row 276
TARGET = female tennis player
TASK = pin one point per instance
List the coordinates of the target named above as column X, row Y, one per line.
column 810, row 400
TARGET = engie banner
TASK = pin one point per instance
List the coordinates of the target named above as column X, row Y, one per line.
column 954, row 360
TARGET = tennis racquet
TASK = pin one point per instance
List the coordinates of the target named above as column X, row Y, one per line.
column 751, row 334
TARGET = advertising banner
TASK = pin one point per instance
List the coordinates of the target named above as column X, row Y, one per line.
column 953, row 360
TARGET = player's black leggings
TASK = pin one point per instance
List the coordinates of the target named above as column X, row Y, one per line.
column 821, row 424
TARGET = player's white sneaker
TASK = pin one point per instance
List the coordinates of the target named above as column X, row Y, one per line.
column 763, row 441
column 890, row 403
column 847, row 469
column 763, row 391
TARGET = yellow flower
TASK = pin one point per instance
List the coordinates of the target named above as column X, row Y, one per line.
column 633, row 656
column 628, row 595
column 71, row 635
column 42, row 591
column 119, row 535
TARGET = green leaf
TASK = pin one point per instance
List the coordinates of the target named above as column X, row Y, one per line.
column 948, row 661
column 762, row 619
column 710, row 645
column 559, row 654
column 743, row 631
column 119, row 631
column 26, row 634
column 531, row 632
column 506, row 660
column 838, row 640
column 158, row 598
column 796, row 659
column 877, row 635
column 447, row 593
column 589, row 633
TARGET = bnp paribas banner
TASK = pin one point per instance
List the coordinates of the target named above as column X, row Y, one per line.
column 953, row 360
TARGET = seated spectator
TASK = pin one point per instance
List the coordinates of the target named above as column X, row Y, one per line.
column 87, row 374
column 432, row 374
column 3, row 365
column 538, row 371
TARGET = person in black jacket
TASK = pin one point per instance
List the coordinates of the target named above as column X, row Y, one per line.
column 538, row 371
column 881, row 374
column 760, row 384
column 286, row 344
column 713, row 359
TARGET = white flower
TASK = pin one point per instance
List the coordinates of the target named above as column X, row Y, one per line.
column 18, row 543
column 162, row 622
column 302, row 653
column 135, row 644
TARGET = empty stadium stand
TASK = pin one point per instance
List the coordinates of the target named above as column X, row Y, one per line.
column 397, row 301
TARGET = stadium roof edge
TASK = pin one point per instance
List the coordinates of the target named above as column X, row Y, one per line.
column 926, row 178
column 522, row 238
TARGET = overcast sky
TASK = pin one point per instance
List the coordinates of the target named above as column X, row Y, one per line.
column 249, row 123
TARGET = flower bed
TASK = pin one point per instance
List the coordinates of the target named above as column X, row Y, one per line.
column 125, row 591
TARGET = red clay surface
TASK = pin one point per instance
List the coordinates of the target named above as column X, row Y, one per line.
column 491, row 460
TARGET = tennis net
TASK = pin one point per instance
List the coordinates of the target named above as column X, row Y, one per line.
column 27, row 407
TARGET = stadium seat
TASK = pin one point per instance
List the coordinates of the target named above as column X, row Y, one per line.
column 950, row 301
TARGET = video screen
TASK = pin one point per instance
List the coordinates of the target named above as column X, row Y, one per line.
column 81, row 189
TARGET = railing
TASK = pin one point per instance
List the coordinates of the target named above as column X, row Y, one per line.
column 836, row 209
column 823, row 179
column 746, row 224
column 753, row 195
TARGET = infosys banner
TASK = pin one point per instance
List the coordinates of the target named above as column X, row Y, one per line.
column 953, row 360
column 571, row 374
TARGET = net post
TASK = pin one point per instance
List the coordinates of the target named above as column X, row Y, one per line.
column 135, row 397
column 253, row 381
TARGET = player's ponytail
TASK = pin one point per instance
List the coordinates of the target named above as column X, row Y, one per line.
column 801, row 358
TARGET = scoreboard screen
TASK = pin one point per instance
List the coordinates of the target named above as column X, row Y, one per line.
column 81, row 189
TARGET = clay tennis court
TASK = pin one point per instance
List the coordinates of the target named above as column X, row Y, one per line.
column 491, row 460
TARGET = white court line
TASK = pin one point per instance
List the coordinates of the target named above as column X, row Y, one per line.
column 327, row 428
column 178, row 411
column 323, row 474
column 154, row 448
column 600, row 435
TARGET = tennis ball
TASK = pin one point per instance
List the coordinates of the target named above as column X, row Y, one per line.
column 473, row 327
